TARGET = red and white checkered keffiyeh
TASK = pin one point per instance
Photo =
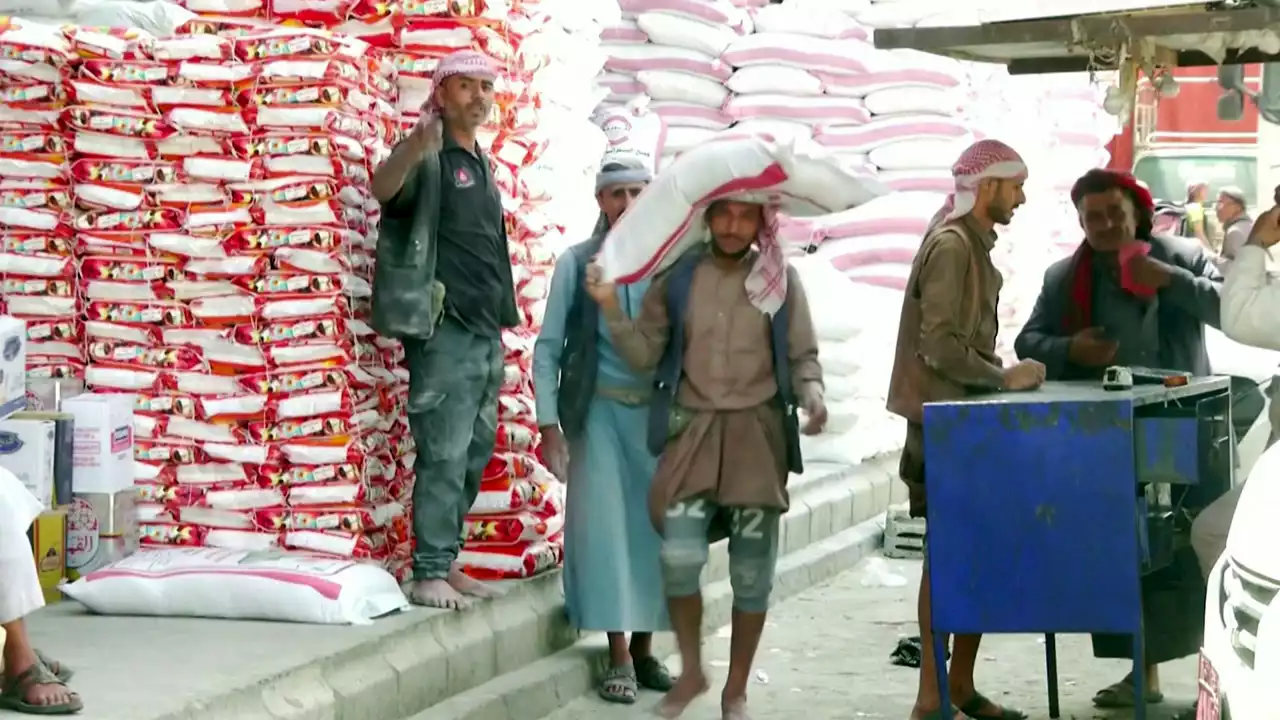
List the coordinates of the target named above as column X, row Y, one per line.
column 460, row 62
column 767, row 281
column 983, row 160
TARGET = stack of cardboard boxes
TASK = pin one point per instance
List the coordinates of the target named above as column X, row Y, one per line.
column 77, row 460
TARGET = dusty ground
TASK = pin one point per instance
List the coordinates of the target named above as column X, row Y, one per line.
column 825, row 656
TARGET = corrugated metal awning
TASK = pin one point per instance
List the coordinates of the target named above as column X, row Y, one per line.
column 1182, row 36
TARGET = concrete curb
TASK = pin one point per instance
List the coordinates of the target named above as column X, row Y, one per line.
column 548, row 685
column 441, row 665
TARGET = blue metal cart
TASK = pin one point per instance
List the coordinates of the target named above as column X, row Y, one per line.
column 1047, row 507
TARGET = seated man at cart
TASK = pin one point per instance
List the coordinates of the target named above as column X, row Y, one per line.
column 1132, row 298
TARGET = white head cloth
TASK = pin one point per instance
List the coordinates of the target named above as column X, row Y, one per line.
column 983, row 160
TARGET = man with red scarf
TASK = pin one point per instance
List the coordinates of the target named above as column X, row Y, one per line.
column 1130, row 297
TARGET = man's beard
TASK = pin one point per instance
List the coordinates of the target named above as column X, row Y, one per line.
column 719, row 252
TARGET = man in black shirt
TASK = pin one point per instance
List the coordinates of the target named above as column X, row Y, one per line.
column 447, row 265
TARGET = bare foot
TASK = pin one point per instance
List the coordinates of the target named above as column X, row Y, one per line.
column 688, row 687
column 734, row 708
column 467, row 585
column 920, row 712
column 437, row 594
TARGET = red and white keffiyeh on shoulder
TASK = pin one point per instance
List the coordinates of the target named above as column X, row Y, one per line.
column 983, row 160
column 767, row 281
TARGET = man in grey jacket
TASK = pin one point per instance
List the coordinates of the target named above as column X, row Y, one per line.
column 1148, row 309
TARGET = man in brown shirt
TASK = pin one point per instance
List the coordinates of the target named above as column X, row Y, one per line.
column 730, row 442
column 945, row 350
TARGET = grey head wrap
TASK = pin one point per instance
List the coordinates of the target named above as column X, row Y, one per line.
column 623, row 170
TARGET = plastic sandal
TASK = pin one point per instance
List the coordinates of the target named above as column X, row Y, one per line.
column 651, row 674
column 62, row 672
column 619, row 685
column 973, row 709
column 14, row 695
column 1120, row 695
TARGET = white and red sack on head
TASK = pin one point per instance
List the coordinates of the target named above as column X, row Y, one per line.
column 798, row 176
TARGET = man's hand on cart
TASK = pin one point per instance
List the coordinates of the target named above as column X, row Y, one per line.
column 1092, row 348
column 1266, row 229
column 1026, row 375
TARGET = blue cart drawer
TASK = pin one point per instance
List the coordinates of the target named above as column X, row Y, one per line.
column 1167, row 450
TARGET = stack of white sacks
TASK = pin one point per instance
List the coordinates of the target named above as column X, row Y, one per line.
column 808, row 68
column 855, row 365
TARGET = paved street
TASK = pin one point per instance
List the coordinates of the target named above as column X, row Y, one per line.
column 825, row 656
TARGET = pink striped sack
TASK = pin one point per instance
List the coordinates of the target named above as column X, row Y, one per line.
column 691, row 115
column 821, row 110
column 850, row 254
column 864, row 84
column 815, row 54
column 625, row 32
column 932, row 181
column 630, row 59
column 714, row 12
column 882, row 131
column 897, row 214
column 797, row 177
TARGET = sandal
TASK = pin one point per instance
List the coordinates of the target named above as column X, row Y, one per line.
column 62, row 672
column 14, row 695
column 619, row 685
column 1120, row 695
column 973, row 709
column 651, row 674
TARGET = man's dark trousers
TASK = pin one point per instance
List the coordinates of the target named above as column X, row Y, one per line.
column 454, row 380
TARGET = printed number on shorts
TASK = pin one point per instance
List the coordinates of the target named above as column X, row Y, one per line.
column 695, row 509
column 745, row 523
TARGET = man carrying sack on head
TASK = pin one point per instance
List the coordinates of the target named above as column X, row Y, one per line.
column 442, row 284
column 728, row 330
column 946, row 349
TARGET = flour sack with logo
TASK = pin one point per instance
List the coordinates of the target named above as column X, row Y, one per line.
column 632, row 131
column 795, row 176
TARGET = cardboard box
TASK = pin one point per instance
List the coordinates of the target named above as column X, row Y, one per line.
column 48, row 535
column 13, row 365
column 63, row 449
column 28, row 449
column 103, row 447
column 101, row 529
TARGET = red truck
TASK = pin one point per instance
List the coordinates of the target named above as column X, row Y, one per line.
column 1173, row 141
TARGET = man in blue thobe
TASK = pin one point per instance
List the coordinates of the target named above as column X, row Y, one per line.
column 592, row 412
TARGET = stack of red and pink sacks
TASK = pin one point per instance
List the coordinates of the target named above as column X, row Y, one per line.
column 36, row 261
column 513, row 529
column 220, row 230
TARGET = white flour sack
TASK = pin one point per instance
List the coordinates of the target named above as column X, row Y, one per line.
column 631, row 130
column 239, row 585
column 802, row 178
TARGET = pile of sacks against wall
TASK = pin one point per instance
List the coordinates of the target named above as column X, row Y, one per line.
column 332, row 162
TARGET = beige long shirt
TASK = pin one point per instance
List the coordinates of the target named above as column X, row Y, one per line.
column 728, row 376
column 947, row 331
